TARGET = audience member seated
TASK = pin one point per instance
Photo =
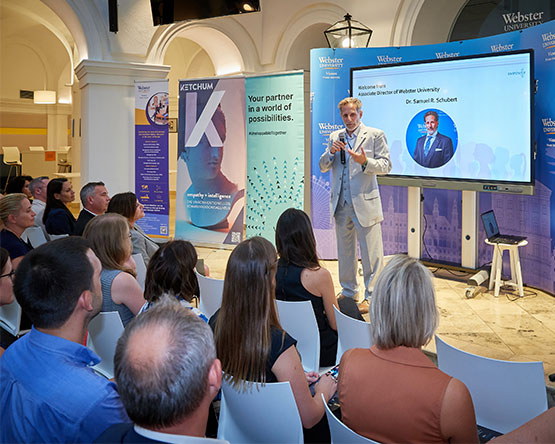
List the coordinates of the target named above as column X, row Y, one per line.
column 165, row 351
column 48, row 392
column 109, row 238
column 392, row 392
column 540, row 429
column 129, row 207
column 16, row 215
column 250, row 342
column 6, row 292
column 38, row 188
column 301, row 278
column 20, row 184
column 57, row 218
column 94, row 198
column 171, row 272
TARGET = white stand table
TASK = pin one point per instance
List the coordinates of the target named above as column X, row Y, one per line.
column 497, row 266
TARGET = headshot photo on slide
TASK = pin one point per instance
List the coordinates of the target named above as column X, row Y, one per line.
column 432, row 138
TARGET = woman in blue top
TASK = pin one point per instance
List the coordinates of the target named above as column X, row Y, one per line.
column 57, row 218
column 110, row 240
column 171, row 272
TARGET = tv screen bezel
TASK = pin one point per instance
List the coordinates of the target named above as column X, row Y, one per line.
column 499, row 186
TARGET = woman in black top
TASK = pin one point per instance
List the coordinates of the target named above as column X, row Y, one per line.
column 250, row 342
column 301, row 278
column 57, row 218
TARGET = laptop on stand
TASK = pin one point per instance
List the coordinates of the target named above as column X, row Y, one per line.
column 492, row 231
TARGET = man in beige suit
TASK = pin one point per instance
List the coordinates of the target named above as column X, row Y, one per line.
column 355, row 198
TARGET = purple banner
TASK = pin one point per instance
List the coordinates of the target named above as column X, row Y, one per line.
column 151, row 155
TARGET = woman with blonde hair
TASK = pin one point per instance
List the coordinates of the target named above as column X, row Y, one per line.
column 393, row 392
column 16, row 215
column 250, row 342
column 110, row 240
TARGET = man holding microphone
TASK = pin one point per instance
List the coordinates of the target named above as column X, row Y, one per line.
column 355, row 156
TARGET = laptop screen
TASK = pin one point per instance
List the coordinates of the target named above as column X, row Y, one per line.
column 490, row 224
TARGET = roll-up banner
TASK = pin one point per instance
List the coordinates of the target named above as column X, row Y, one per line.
column 151, row 155
column 330, row 76
column 210, row 193
column 275, row 149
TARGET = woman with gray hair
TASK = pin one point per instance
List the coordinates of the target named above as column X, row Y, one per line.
column 392, row 392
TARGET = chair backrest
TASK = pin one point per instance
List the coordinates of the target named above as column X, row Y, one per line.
column 297, row 319
column 36, row 148
column 339, row 432
column 10, row 317
column 211, row 291
column 104, row 331
column 35, row 235
column 64, row 148
column 260, row 414
column 505, row 394
column 57, row 236
column 11, row 154
column 351, row 333
column 141, row 269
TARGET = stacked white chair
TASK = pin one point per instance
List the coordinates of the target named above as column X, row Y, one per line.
column 104, row 331
column 261, row 414
column 211, row 292
column 351, row 333
column 505, row 394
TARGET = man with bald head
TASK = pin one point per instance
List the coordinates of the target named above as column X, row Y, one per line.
column 166, row 350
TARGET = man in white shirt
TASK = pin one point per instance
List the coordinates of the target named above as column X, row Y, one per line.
column 165, row 351
column 38, row 189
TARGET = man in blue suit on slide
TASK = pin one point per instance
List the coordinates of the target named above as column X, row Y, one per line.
column 355, row 155
column 433, row 150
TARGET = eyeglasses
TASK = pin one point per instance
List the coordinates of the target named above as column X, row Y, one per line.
column 11, row 274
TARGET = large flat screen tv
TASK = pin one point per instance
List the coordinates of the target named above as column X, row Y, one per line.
column 463, row 123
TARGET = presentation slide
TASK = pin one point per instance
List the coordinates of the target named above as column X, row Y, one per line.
column 466, row 118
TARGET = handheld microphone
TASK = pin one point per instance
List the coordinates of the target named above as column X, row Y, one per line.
column 342, row 152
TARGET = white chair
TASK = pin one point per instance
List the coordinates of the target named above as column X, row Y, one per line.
column 260, row 414
column 211, row 291
column 339, row 432
column 12, row 158
column 57, row 236
column 141, row 269
column 351, row 333
column 104, row 331
column 35, row 236
column 10, row 319
column 36, row 148
column 297, row 319
column 505, row 394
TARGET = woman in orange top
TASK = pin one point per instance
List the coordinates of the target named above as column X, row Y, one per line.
column 392, row 392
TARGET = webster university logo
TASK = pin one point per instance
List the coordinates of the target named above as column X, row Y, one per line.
column 330, row 62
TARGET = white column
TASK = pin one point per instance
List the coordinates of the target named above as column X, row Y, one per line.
column 414, row 225
column 108, row 120
column 469, row 229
